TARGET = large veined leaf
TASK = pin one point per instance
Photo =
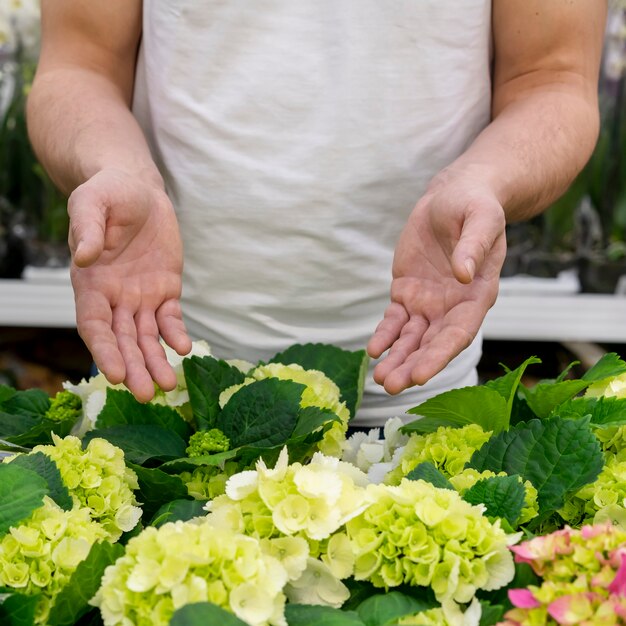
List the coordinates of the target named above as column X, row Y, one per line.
column 46, row 468
column 503, row 496
column 507, row 385
column 32, row 402
column 608, row 366
column 73, row 601
column 179, row 510
column 141, row 442
column 157, row 487
column 18, row 609
column 388, row 608
column 203, row 614
column 311, row 418
column 206, row 378
column 428, row 472
column 21, row 492
column 544, row 397
column 309, row 614
column 122, row 408
column 263, row 414
column 602, row 412
column 459, row 407
column 347, row 369
column 189, row 464
column 558, row 456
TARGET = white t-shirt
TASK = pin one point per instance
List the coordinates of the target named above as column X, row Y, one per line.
column 294, row 138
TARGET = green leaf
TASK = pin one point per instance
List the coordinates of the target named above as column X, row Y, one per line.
column 347, row 369
column 6, row 392
column 32, row 403
column 21, row 492
column 544, row 397
column 608, row 366
column 141, row 442
column 491, row 614
column 122, row 408
column 188, row 464
column 311, row 418
column 13, row 425
column 428, row 472
column 503, row 497
column 521, row 412
column 203, row 614
column 18, row 610
column 603, row 411
column 388, row 608
column 206, row 378
column 507, row 385
column 458, row 407
column 14, row 448
column 43, row 465
column 72, row 601
column 157, row 487
column 40, row 432
column 178, row 510
column 263, row 413
column 558, row 456
column 308, row 614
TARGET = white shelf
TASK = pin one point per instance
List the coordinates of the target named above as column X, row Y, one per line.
column 525, row 310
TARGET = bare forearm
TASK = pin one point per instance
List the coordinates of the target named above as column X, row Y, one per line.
column 533, row 149
column 80, row 123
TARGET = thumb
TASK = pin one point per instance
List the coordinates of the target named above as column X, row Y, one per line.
column 88, row 214
column 482, row 228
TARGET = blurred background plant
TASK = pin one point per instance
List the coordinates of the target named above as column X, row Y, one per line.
column 33, row 216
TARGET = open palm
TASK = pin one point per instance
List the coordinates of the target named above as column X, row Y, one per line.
column 126, row 273
column 445, row 278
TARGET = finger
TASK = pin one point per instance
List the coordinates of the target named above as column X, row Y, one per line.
column 403, row 347
column 153, row 354
column 481, row 229
column 93, row 321
column 138, row 379
column 87, row 225
column 388, row 330
column 171, row 327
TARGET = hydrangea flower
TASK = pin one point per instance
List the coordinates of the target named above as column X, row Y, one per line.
column 613, row 442
column 181, row 563
column 609, row 490
column 614, row 387
column 207, row 482
column 99, row 480
column 469, row 477
column 320, row 391
column 40, row 554
column 449, row 614
column 448, row 449
column 584, row 578
column 420, row 535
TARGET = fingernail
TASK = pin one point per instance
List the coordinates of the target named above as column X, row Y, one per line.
column 471, row 267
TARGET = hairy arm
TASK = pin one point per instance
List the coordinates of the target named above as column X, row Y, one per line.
column 126, row 252
column 544, row 127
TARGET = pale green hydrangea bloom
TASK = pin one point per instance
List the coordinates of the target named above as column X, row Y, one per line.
column 614, row 387
column 448, row 449
column 208, row 481
column 181, row 563
column 320, row 391
column 449, row 614
column 469, row 477
column 40, row 554
column 613, row 442
column 99, row 480
column 608, row 491
column 420, row 535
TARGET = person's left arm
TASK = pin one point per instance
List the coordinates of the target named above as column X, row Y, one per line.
column 544, row 127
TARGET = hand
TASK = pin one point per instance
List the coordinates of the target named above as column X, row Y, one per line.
column 446, row 271
column 126, row 273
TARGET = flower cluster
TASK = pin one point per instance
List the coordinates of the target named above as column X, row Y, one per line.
column 320, row 391
column 39, row 555
column 181, row 563
column 207, row 442
column 469, row 477
column 449, row 614
column 98, row 480
column 605, row 494
column 613, row 442
column 65, row 406
column 417, row 534
column 448, row 449
column 208, row 481
column 584, row 578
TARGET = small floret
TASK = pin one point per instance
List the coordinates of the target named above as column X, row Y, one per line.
column 65, row 406
column 207, row 442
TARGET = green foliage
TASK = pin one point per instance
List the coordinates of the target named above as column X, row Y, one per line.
column 602, row 412
column 503, row 496
column 545, row 396
column 156, row 487
column 17, row 609
column 21, row 492
column 347, row 369
column 65, row 406
column 609, row 365
column 202, row 614
column 383, row 609
column 207, row 442
column 178, row 510
column 428, row 472
column 308, row 614
column 558, row 456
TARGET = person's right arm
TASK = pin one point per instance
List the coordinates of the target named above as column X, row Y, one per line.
column 126, row 250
